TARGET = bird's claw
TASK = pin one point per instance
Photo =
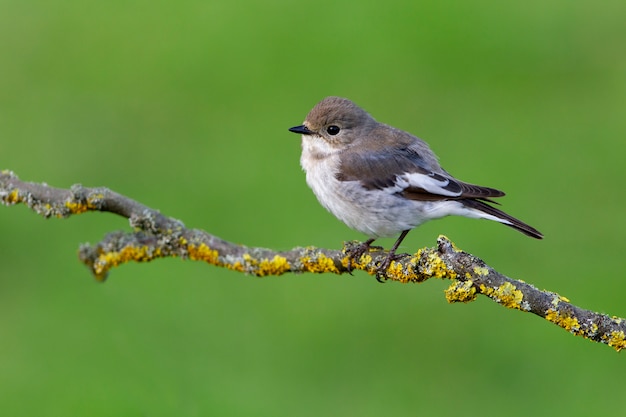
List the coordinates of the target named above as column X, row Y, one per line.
column 355, row 252
column 359, row 250
column 381, row 269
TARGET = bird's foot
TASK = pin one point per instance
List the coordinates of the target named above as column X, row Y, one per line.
column 381, row 269
column 355, row 252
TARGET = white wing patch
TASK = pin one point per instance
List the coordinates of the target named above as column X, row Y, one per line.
column 426, row 182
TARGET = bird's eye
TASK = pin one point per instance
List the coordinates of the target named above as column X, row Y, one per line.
column 332, row 130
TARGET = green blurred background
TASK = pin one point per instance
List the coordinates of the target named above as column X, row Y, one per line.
column 185, row 106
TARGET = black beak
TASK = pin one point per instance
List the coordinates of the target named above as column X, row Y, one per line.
column 303, row 130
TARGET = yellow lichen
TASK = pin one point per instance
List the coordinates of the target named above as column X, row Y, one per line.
column 13, row 197
column 454, row 247
column 202, row 252
column 346, row 261
column 94, row 198
column 396, row 272
column 556, row 299
column 351, row 263
column 569, row 323
column 617, row 340
column 92, row 203
column 461, row 291
column 320, row 265
column 278, row 265
column 506, row 294
column 237, row 266
column 108, row 260
column 405, row 274
column 481, row 271
column 436, row 267
column 362, row 262
column 78, row 208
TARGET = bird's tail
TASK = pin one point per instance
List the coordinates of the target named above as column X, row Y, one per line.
column 502, row 217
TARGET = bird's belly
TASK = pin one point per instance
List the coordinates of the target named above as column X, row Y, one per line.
column 376, row 213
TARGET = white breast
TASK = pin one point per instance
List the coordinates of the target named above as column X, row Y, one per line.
column 376, row 213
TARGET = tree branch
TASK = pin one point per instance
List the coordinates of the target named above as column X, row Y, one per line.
column 156, row 236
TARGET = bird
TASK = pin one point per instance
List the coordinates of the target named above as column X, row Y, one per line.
column 383, row 181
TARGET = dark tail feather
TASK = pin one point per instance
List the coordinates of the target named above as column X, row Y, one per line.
column 512, row 221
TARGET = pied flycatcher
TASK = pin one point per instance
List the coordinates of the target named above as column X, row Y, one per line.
column 383, row 181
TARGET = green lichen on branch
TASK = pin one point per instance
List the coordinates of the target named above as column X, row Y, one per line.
column 156, row 236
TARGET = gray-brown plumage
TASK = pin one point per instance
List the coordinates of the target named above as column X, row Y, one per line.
column 381, row 180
